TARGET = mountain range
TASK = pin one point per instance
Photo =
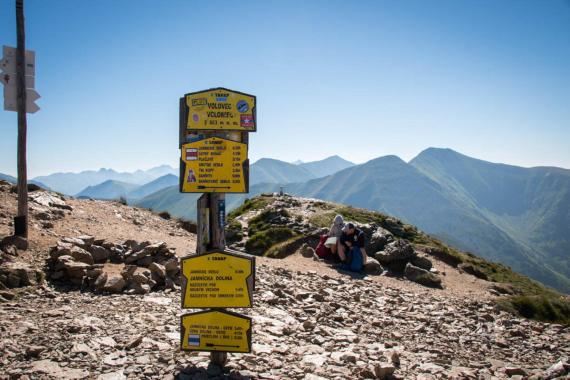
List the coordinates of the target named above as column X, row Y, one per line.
column 74, row 183
column 518, row 216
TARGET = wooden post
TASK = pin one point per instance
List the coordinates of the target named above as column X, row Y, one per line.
column 211, row 236
column 21, row 220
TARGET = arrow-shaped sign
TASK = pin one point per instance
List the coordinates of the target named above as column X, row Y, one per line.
column 11, row 99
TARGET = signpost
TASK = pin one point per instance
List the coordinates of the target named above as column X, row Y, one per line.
column 213, row 130
column 214, row 165
column 220, row 109
column 18, row 68
column 218, row 279
column 215, row 330
column 9, row 78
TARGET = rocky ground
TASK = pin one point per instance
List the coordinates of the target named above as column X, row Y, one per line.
column 311, row 321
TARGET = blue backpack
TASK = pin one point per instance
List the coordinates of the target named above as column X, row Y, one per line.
column 355, row 260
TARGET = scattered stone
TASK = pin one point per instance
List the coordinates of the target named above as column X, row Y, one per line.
column 422, row 276
column 307, row 251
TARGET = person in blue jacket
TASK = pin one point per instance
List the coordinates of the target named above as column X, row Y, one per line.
column 353, row 242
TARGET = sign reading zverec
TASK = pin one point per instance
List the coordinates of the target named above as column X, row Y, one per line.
column 215, row 330
column 220, row 109
column 217, row 279
column 214, row 165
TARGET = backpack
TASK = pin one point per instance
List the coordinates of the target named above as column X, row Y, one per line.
column 322, row 251
column 355, row 260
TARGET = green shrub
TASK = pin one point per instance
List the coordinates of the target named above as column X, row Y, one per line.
column 256, row 203
column 234, row 232
column 164, row 215
column 541, row 308
column 261, row 241
column 322, row 219
column 262, row 221
column 285, row 248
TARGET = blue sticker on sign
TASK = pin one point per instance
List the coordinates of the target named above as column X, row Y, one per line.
column 193, row 340
column 242, row 106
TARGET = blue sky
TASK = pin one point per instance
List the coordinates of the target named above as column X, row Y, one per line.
column 361, row 79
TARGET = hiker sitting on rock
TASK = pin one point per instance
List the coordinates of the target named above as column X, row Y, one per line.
column 335, row 232
column 351, row 248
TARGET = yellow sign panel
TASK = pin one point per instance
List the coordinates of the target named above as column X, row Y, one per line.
column 215, row 330
column 214, row 165
column 220, row 108
column 217, row 279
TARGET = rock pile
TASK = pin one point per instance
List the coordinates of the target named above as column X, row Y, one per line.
column 306, row 326
column 134, row 267
column 13, row 272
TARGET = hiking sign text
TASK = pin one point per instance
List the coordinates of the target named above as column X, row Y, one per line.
column 220, row 109
column 217, row 279
column 215, row 330
column 214, row 165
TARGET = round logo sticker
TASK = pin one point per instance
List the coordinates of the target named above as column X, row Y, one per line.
column 195, row 117
column 242, row 106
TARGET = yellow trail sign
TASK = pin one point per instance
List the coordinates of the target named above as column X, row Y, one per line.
column 217, row 279
column 215, row 330
column 220, row 109
column 214, row 165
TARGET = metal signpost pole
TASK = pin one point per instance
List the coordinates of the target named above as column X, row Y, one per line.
column 21, row 221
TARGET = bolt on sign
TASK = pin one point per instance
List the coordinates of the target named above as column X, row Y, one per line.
column 215, row 330
column 220, row 109
column 213, row 165
column 218, row 279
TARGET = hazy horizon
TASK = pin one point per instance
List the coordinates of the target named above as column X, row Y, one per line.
column 175, row 166
column 359, row 79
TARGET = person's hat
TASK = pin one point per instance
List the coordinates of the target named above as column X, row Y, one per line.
column 347, row 227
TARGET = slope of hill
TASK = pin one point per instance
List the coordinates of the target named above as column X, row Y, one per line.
column 184, row 205
column 328, row 166
column 153, row 186
column 530, row 205
column 276, row 226
column 14, row 180
column 73, row 183
column 8, row 178
column 268, row 170
column 310, row 319
column 109, row 190
column 390, row 185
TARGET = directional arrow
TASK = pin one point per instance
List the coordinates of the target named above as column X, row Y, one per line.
column 11, row 99
column 220, row 345
column 213, row 187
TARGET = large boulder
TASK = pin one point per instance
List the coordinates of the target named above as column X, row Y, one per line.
column 15, row 275
column 396, row 255
column 135, row 255
column 422, row 276
column 472, row 270
column 100, row 254
column 81, row 255
column 372, row 266
column 61, row 249
column 114, row 284
column 307, row 251
column 379, row 239
column 422, row 262
column 157, row 271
